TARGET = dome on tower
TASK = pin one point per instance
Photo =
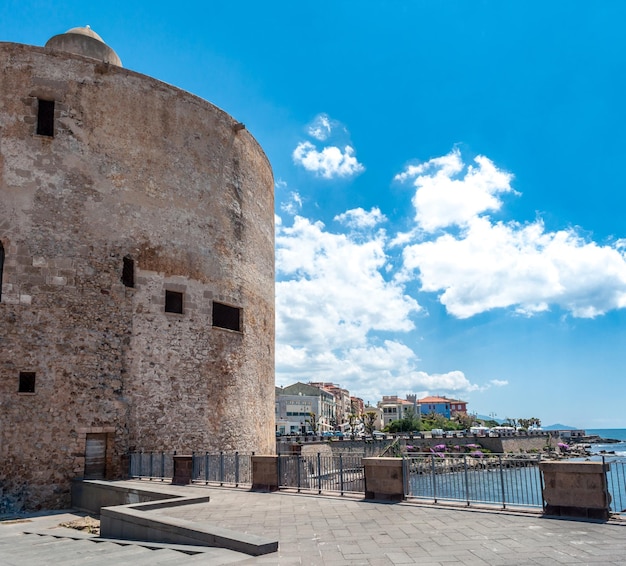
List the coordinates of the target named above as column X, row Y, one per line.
column 86, row 42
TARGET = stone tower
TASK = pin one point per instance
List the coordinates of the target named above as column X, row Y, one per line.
column 137, row 269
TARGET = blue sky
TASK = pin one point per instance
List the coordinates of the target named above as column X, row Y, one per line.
column 449, row 183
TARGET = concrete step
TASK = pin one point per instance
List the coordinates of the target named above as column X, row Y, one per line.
column 23, row 549
column 109, row 554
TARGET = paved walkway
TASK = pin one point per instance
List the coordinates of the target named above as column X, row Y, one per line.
column 316, row 530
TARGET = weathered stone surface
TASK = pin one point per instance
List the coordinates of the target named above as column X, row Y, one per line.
column 577, row 489
column 136, row 168
column 265, row 473
column 383, row 478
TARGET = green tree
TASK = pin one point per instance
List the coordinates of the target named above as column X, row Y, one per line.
column 409, row 423
column 435, row 420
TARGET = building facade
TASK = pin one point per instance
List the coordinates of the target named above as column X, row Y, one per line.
column 393, row 408
column 137, row 270
column 342, row 400
column 294, row 405
column 442, row 406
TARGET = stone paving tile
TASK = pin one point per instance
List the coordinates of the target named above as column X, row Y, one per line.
column 326, row 531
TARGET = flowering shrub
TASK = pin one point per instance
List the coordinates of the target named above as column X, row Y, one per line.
column 563, row 447
column 439, row 448
column 477, row 454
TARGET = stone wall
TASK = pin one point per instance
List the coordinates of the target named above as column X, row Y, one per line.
column 141, row 170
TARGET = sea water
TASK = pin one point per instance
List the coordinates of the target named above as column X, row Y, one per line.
column 618, row 448
column 615, row 455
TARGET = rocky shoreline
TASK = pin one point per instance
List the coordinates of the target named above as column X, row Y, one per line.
column 594, row 439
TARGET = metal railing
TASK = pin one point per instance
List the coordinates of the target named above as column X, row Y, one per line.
column 151, row 465
column 208, row 468
column 225, row 469
column 616, row 483
column 506, row 481
column 341, row 473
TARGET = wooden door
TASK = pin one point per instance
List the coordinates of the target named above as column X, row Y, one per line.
column 95, row 456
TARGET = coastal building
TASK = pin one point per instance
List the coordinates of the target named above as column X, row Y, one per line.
column 298, row 404
column 342, row 400
column 137, row 271
column 393, row 408
column 442, row 406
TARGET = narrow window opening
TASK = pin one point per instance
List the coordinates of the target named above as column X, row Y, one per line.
column 1, row 267
column 45, row 118
column 225, row 316
column 27, row 382
column 173, row 302
column 128, row 272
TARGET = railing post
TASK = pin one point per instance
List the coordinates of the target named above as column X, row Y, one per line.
column 340, row 473
column 236, row 469
column 140, row 462
column 162, row 465
column 466, row 475
column 130, row 464
column 221, row 469
column 319, row 473
column 606, row 482
column 405, row 473
column 299, row 460
column 432, row 467
column 502, row 482
column 151, row 470
column 542, row 485
column 206, row 468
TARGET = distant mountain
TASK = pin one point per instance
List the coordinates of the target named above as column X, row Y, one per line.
column 559, row 426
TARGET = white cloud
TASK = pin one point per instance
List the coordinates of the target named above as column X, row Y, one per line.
column 357, row 218
column 445, row 196
column 341, row 301
column 321, row 127
column 292, row 205
column 333, row 303
column 329, row 163
column 335, row 287
column 370, row 371
column 510, row 265
column 488, row 265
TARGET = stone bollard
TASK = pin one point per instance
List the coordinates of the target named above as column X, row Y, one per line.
column 183, row 470
column 383, row 479
column 264, row 473
column 576, row 489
